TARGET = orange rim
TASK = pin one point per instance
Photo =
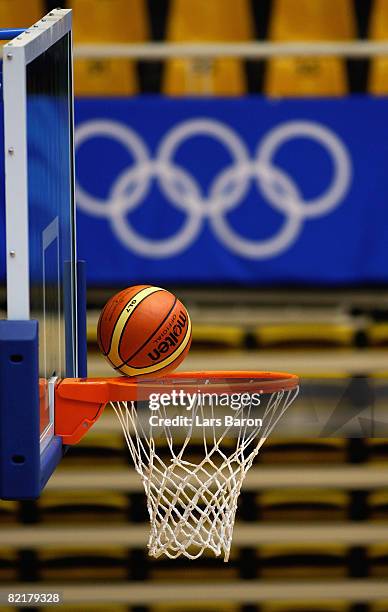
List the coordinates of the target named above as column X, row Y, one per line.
column 231, row 374
column 123, row 388
column 79, row 402
column 267, row 381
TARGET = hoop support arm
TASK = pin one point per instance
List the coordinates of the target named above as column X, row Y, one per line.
column 79, row 403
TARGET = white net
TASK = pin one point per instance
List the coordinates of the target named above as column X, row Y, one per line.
column 193, row 470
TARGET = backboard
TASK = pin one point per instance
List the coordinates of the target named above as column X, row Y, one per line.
column 39, row 342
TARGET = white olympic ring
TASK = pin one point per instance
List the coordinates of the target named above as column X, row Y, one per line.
column 226, row 192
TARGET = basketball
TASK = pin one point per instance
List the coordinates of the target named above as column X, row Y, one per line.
column 144, row 331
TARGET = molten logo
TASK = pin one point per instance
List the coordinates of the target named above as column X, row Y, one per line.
column 172, row 339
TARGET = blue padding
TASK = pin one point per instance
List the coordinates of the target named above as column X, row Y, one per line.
column 81, row 319
column 10, row 33
column 19, row 410
column 23, row 471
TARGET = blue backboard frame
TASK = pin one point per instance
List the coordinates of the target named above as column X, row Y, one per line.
column 26, row 464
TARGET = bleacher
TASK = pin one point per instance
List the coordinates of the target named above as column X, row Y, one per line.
column 199, row 21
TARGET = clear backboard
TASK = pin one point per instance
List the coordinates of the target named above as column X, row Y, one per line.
column 42, row 271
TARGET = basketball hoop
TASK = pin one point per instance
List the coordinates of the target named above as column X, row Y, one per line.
column 191, row 500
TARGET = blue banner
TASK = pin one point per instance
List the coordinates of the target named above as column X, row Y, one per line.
column 248, row 190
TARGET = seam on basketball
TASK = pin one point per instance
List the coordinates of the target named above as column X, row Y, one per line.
column 148, row 339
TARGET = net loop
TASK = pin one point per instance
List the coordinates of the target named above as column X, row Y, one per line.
column 192, row 481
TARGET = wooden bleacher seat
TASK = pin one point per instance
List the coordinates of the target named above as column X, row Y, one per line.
column 291, row 561
column 379, row 606
column 8, row 566
column 107, row 21
column 192, row 606
column 306, row 606
column 303, row 505
column 21, row 14
column 80, row 564
column 304, row 450
column 377, row 333
column 378, row 450
column 161, row 572
column 99, row 448
column 378, row 30
column 8, row 513
column 94, row 607
column 304, row 20
column 305, row 334
column 378, row 562
column 206, row 336
column 378, row 506
column 204, row 21
column 80, row 507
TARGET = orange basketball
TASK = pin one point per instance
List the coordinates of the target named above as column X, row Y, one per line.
column 144, row 331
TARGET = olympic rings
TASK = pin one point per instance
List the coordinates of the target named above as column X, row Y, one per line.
column 227, row 190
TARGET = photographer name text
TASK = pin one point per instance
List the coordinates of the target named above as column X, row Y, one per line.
column 198, row 421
